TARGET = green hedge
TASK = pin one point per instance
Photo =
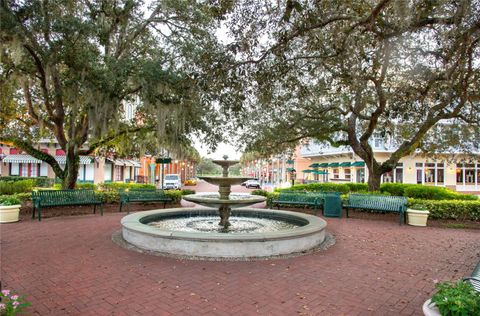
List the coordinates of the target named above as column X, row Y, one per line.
column 115, row 186
column 416, row 191
column 328, row 187
column 42, row 182
column 450, row 209
column 13, row 187
column 259, row 192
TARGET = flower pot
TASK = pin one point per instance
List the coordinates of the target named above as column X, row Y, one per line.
column 429, row 309
column 417, row 217
column 9, row 213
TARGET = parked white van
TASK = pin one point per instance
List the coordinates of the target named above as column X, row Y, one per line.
column 172, row 181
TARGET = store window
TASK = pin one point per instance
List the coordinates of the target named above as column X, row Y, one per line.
column 388, row 177
column 469, row 174
column 335, row 174
column 118, row 173
column 440, row 173
column 348, row 174
column 459, row 173
column 398, row 173
column 360, row 175
column 430, row 173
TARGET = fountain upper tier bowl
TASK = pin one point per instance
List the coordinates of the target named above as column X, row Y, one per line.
column 222, row 181
column 235, row 200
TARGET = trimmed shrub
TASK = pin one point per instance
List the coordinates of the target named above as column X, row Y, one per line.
column 396, row 189
column 42, row 182
column 86, row 185
column 13, row 187
column 175, row 195
column 115, row 186
column 259, row 192
column 25, row 196
column 418, row 191
column 187, row 192
column 109, row 196
column 450, row 209
column 8, row 200
column 328, row 187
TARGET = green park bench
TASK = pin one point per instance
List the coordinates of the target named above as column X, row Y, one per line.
column 52, row 198
column 474, row 279
column 381, row 203
column 300, row 198
column 142, row 195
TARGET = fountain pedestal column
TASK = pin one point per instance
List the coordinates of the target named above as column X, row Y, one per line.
column 225, row 212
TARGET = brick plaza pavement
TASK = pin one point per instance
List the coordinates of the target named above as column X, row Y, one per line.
column 69, row 266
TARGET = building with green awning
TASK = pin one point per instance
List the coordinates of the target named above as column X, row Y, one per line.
column 358, row 164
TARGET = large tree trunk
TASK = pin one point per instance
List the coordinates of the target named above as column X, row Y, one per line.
column 374, row 178
column 71, row 170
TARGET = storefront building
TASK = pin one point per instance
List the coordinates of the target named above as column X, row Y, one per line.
column 322, row 163
column 13, row 162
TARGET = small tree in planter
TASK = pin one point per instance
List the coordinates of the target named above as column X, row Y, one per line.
column 9, row 209
column 453, row 299
column 418, row 215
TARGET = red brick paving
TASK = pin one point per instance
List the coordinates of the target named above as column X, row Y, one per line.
column 70, row 266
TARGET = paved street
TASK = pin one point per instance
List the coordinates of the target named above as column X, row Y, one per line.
column 70, row 266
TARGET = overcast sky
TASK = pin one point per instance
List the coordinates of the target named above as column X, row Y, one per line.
column 223, row 149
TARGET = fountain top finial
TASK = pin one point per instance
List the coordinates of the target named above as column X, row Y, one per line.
column 225, row 157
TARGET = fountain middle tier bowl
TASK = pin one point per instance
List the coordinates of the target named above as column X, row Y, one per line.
column 222, row 181
column 193, row 233
column 236, row 200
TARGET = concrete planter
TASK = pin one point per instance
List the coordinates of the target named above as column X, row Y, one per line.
column 429, row 309
column 9, row 213
column 417, row 217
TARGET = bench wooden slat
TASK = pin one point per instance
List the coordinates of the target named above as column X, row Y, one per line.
column 142, row 195
column 53, row 198
column 383, row 203
column 314, row 199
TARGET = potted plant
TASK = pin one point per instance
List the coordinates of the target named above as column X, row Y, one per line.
column 9, row 209
column 417, row 215
column 453, row 299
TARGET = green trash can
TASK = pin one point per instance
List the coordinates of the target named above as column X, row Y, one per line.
column 332, row 206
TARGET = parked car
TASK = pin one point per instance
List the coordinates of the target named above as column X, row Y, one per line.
column 172, row 181
column 252, row 183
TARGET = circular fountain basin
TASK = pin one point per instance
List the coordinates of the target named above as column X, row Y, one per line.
column 296, row 233
column 235, row 200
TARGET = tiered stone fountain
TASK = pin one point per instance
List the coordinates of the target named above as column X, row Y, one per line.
column 224, row 201
column 242, row 232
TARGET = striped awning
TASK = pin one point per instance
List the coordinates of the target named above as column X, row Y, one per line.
column 290, row 169
column 323, row 165
column 124, row 162
column 314, row 165
column 345, row 164
column 358, row 164
column 84, row 160
column 333, row 165
column 21, row 159
column 308, row 171
column 135, row 163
